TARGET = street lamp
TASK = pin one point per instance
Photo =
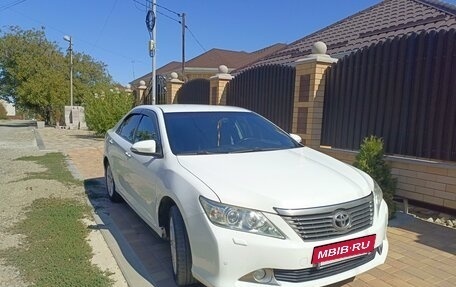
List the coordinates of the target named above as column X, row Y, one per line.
column 70, row 49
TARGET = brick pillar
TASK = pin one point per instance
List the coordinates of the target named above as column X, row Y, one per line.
column 172, row 86
column 217, row 86
column 140, row 93
column 309, row 94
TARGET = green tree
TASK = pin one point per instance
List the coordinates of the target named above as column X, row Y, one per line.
column 89, row 76
column 34, row 74
column 370, row 159
column 104, row 109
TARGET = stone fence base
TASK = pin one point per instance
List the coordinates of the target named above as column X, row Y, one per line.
column 418, row 179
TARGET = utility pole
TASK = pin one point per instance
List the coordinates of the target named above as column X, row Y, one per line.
column 70, row 49
column 150, row 24
column 154, row 37
column 183, row 46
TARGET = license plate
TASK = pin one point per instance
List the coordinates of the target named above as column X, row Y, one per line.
column 343, row 249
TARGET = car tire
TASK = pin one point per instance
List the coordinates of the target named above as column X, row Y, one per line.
column 181, row 256
column 111, row 186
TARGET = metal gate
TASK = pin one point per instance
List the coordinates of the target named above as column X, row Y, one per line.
column 267, row 90
column 160, row 94
column 194, row 92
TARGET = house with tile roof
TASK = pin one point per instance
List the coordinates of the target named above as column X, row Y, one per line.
column 206, row 65
column 385, row 20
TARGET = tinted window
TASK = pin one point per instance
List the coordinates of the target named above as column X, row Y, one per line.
column 223, row 132
column 147, row 129
column 128, row 127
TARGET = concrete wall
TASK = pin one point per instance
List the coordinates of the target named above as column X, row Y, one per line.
column 10, row 109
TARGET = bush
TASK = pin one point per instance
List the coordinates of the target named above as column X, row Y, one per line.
column 103, row 112
column 3, row 112
column 370, row 159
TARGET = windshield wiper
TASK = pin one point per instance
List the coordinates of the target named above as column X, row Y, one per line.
column 253, row 150
column 203, row 152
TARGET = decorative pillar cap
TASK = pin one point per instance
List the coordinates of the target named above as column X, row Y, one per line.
column 142, row 85
column 319, row 50
column 222, row 74
column 223, row 69
column 174, row 78
column 128, row 88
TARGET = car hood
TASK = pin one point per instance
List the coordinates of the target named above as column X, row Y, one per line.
column 291, row 179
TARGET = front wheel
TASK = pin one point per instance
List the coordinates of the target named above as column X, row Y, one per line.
column 110, row 185
column 181, row 255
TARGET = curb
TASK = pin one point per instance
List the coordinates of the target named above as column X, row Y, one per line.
column 39, row 140
column 131, row 275
column 114, row 239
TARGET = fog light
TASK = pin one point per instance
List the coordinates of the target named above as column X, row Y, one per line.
column 259, row 275
column 262, row 276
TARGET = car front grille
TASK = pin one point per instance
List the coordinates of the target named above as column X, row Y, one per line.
column 303, row 275
column 318, row 223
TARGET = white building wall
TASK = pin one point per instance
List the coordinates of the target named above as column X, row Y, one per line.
column 10, row 109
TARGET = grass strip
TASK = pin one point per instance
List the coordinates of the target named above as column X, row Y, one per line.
column 55, row 251
column 56, row 168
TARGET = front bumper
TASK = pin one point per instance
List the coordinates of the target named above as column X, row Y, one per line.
column 222, row 256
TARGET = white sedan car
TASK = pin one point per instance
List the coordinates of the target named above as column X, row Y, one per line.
column 242, row 202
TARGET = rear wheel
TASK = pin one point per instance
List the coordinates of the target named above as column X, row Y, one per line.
column 181, row 255
column 111, row 186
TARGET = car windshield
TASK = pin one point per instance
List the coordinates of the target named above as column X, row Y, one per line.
column 223, row 132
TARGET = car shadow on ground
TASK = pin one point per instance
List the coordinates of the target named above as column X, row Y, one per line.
column 142, row 248
column 430, row 234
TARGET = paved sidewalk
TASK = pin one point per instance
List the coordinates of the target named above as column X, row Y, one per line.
column 84, row 149
column 421, row 253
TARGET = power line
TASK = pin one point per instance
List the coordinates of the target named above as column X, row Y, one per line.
column 194, row 37
column 106, row 21
column 173, row 19
column 11, row 4
column 142, row 10
column 142, row 4
column 169, row 17
column 81, row 40
column 160, row 6
column 169, row 10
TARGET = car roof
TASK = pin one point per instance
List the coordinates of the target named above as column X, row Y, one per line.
column 177, row 108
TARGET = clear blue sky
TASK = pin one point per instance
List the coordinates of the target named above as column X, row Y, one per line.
column 114, row 31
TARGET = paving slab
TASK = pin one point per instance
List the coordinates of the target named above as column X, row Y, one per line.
column 421, row 253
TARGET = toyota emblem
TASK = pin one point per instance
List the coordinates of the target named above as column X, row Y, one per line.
column 341, row 220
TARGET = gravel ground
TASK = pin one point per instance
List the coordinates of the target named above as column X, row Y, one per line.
column 17, row 193
column 433, row 216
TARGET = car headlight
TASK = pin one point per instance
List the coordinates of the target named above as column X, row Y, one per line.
column 238, row 218
column 378, row 196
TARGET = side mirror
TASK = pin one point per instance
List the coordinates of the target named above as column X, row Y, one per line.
column 147, row 147
column 296, row 138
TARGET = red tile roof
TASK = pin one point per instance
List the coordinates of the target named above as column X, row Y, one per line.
column 213, row 59
column 385, row 20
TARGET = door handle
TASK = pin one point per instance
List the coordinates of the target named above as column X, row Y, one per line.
column 110, row 141
column 128, row 154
